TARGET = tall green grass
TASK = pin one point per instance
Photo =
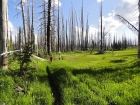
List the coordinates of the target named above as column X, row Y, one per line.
column 107, row 79
column 79, row 79
column 34, row 82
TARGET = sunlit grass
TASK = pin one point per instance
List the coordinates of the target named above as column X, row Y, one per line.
column 79, row 79
column 35, row 84
column 110, row 78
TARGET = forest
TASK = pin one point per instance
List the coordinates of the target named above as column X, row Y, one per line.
column 57, row 63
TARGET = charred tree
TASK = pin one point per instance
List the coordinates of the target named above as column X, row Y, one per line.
column 101, row 48
column 49, row 27
column 66, row 37
column 19, row 38
column 82, row 27
column 58, row 29
column 63, row 34
column 32, row 28
column 45, row 25
column 86, row 37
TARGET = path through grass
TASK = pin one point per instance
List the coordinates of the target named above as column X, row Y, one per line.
column 76, row 79
column 108, row 79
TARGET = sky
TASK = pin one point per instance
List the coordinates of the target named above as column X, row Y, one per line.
column 126, row 8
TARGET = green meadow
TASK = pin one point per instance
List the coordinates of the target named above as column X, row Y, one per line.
column 78, row 78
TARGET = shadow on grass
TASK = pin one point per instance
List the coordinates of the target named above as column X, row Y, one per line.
column 117, row 75
column 55, row 79
column 135, row 67
column 94, row 72
column 129, row 55
column 136, row 64
column 118, row 61
column 99, row 53
column 29, row 75
column 59, row 76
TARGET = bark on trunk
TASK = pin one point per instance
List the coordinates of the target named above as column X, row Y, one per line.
column 23, row 20
column 49, row 27
column 3, row 33
column 139, row 33
column 101, row 29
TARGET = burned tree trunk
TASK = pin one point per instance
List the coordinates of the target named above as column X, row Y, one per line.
column 66, row 37
column 45, row 25
column 58, row 29
column 49, row 26
column 3, row 33
column 82, row 27
column 101, row 29
column 19, row 38
column 86, row 37
column 32, row 28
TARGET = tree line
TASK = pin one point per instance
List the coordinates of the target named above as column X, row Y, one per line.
column 55, row 33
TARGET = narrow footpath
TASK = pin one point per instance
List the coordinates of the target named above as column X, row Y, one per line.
column 54, row 89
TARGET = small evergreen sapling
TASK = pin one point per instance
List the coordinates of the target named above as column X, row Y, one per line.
column 24, row 57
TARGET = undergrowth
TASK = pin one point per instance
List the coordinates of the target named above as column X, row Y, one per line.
column 34, row 84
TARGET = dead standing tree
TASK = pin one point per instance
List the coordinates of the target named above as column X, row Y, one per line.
column 23, row 20
column 63, row 34
column 32, row 27
column 45, row 24
column 101, row 29
column 82, row 28
column 86, row 37
column 132, row 27
column 28, row 22
column 58, row 30
column 53, row 26
column 72, row 25
column 43, row 27
column 49, row 27
column 66, row 38
column 139, row 32
column 3, row 33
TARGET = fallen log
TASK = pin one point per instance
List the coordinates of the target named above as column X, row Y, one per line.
column 38, row 57
column 10, row 52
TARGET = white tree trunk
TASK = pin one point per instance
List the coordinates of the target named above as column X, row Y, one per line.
column 3, row 34
column 139, row 32
column 23, row 20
